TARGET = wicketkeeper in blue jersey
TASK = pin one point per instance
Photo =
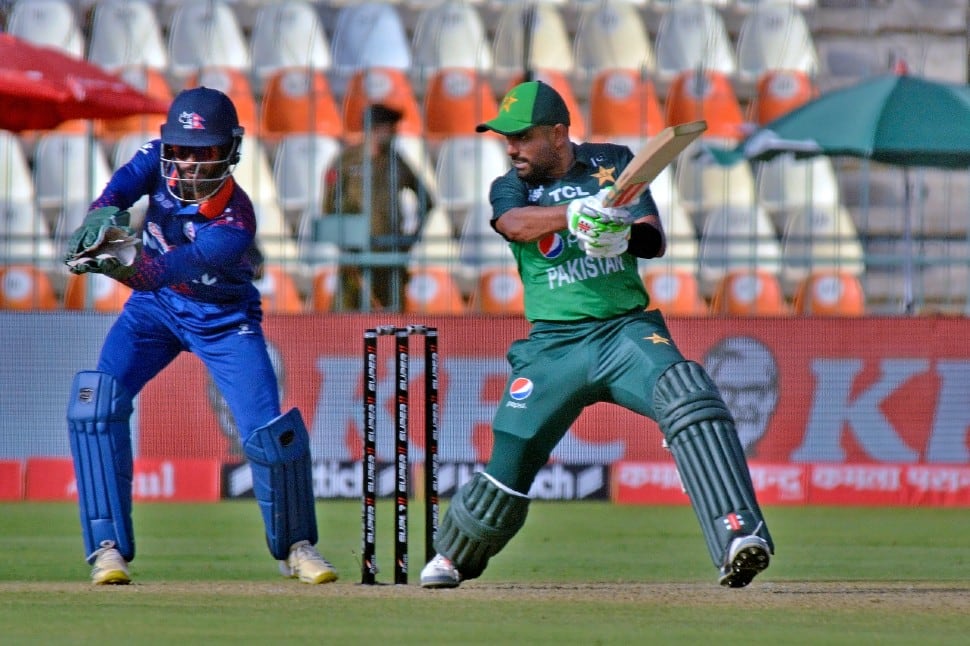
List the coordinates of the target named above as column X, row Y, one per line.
column 191, row 270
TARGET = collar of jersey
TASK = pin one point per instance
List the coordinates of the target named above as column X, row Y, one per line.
column 216, row 205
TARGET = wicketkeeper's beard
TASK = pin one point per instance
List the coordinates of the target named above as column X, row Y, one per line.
column 195, row 182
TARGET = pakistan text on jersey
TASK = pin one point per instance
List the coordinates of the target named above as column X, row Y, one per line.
column 582, row 268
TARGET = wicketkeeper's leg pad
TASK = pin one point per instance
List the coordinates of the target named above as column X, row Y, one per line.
column 279, row 457
column 700, row 432
column 481, row 520
column 98, row 418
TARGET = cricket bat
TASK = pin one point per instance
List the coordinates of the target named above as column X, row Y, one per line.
column 651, row 160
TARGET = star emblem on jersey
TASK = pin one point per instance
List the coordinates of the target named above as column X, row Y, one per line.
column 656, row 338
column 604, row 175
column 507, row 103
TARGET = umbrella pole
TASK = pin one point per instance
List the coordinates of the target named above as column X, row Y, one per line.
column 908, row 307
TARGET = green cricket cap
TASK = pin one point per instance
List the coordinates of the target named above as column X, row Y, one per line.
column 528, row 104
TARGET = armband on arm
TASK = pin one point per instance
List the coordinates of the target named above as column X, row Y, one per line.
column 645, row 241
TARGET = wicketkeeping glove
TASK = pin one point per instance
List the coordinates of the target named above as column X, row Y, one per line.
column 90, row 230
column 593, row 206
column 114, row 242
column 113, row 267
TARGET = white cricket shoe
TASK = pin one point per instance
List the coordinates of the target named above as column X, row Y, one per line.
column 440, row 572
column 109, row 568
column 747, row 557
column 306, row 564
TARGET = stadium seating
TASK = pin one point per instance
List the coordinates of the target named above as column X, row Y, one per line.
column 432, row 290
column 775, row 37
column 148, row 80
column 498, row 290
column 690, row 37
column 70, row 170
column 26, row 287
column 551, row 48
column 235, row 84
column 778, row 92
column 299, row 166
column 737, row 238
column 49, row 23
column 623, row 103
column 298, row 100
column 707, row 95
column 744, row 292
column 675, row 292
column 450, row 35
column 455, row 101
column 386, row 85
column 611, row 35
column 704, row 185
column 466, row 166
column 95, row 292
column 819, row 238
column 826, row 293
column 127, row 34
column 278, row 290
column 205, row 34
column 288, row 34
column 368, row 35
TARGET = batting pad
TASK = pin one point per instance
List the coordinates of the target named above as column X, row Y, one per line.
column 701, row 435
column 98, row 424
column 482, row 519
column 279, row 457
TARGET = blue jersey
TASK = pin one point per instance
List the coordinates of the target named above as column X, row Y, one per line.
column 200, row 251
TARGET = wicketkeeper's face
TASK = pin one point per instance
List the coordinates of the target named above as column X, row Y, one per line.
column 533, row 153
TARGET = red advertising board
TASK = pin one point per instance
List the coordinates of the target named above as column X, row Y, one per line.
column 11, row 480
column 804, row 391
column 157, row 480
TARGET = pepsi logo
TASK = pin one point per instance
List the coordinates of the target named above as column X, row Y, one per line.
column 551, row 246
column 521, row 388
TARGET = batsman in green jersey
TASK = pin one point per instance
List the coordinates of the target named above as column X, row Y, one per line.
column 591, row 340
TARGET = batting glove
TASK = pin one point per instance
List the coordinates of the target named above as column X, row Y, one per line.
column 599, row 238
column 593, row 206
column 608, row 245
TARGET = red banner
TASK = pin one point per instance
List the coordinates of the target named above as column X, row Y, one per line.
column 157, row 480
column 11, row 480
column 855, row 391
column 657, row 483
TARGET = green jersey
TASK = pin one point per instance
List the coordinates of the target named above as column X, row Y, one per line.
column 562, row 283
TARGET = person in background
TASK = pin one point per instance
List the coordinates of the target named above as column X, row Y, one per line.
column 369, row 178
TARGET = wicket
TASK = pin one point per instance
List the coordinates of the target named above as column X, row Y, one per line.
column 401, row 447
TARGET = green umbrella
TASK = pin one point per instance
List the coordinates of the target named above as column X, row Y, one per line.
column 901, row 120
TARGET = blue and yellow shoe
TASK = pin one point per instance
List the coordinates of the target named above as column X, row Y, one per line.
column 109, row 567
column 306, row 564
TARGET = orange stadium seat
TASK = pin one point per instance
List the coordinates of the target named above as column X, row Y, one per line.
column 278, row 290
column 498, row 291
column 106, row 294
column 235, row 84
column 299, row 101
column 153, row 83
column 830, row 294
column 455, row 101
column 385, row 85
column 623, row 103
column 324, row 289
column 749, row 293
column 25, row 287
column 432, row 290
column 779, row 92
column 707, row 95
column 675, row 292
